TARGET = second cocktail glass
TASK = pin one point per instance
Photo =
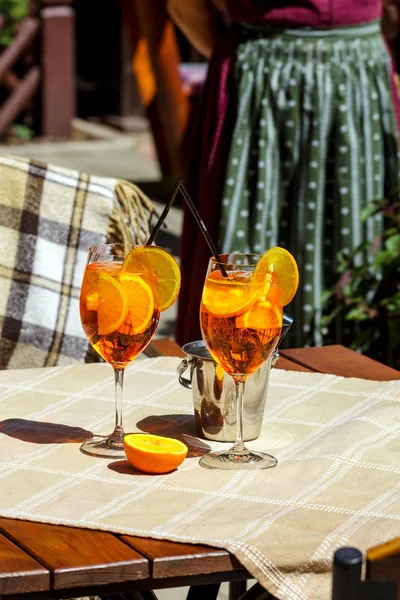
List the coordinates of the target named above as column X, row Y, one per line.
column 241, row 322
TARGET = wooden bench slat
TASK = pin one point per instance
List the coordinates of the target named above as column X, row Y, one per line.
column 77, row 557
column 338, row 360
column 19, row 572
column 163, row 347
column 172, row 559
column 290, row 365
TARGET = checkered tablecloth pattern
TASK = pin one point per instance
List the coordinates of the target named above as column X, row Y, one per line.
column 337, row 481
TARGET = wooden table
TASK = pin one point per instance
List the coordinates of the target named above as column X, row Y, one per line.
column 49, row 561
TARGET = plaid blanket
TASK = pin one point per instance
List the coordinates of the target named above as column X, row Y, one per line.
column 49, row 217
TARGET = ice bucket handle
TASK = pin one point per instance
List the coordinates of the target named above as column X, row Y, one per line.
column 182, row 367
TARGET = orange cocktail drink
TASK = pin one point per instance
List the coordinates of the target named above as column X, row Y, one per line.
column 124, row 289
column 118, row 312
column 241, row 320
column 241, row 317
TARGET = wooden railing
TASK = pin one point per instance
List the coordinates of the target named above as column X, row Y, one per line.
column 18, row 90
column 57, row 59
column 41, row 56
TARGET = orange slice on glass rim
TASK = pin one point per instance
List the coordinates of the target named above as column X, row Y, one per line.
column 112, row 305
column 279, row 263
column 140, row 303
column 158, row 269
column 154, row 453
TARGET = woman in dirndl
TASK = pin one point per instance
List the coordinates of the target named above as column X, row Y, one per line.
column 297, row 131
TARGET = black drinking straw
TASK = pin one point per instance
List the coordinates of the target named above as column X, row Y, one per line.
column 179, row 185
column 204, row 229
column 164, row 213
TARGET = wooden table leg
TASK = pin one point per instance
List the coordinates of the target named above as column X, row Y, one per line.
column 136, row 595
column 257, row 592
column 237, row 589
column 199, row 592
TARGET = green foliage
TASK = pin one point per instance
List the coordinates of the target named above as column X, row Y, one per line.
column 14, row 11
column 367, row 294
column 22, row 132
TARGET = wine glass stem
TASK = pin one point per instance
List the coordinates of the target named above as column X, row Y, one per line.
column 239, row 448
column 118, row 433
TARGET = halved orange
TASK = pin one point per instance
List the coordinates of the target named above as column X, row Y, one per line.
column 158, row 269
column 226, row 296
column 281, row 263
column 154, row 453
column 140, row 303
column 112, row 304
column 262, row 315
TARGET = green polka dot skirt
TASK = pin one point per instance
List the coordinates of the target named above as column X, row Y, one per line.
column 314, row 141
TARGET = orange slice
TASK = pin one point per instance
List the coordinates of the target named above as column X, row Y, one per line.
column 154, row 453
column 279, row 262
column 228, row 297
column 158, row 269
column 112, row 304
column 140, row 303
column 262, row 315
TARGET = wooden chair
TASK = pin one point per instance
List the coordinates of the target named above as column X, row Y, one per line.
column 382, row 580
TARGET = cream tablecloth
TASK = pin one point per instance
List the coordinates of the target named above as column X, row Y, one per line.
column 337, row 481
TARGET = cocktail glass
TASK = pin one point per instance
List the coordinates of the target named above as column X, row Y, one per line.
column 241, row 322
column 119, row 314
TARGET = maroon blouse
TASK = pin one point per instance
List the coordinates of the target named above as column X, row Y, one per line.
column 305, row 13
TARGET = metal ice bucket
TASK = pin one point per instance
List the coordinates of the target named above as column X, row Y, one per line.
column 213, row 393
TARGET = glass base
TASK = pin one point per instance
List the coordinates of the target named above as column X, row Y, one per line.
column 229, row 461
column 104, row 447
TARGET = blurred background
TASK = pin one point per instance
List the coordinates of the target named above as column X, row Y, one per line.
column 123, row 76
column 110, row 91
